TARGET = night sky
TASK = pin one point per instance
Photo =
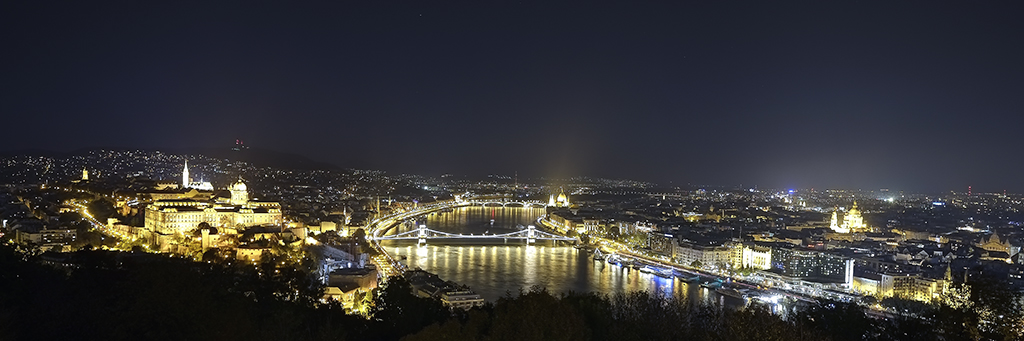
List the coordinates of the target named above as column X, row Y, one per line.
column 914, row 95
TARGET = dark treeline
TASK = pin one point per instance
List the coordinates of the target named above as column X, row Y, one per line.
column 126, row 296
column 538, row 315
column 122, row 296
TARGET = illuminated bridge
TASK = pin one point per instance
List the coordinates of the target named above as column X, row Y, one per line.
column 505, row 202
column 422, row 234
column 390, row 266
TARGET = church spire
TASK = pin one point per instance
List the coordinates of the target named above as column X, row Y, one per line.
column 184, row 176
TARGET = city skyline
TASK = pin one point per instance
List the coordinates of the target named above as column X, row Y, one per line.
column 867, row 95
column 348, row 239
column 283, row 160
column 511, row 170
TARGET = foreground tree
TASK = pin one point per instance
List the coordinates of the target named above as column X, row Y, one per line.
column 843, row 321
column 397, row 311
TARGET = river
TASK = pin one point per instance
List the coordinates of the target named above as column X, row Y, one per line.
column 497, row 268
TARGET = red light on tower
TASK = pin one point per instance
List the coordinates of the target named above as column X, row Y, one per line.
column 968, row 190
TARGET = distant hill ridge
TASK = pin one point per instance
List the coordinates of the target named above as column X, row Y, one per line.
column 257, row 157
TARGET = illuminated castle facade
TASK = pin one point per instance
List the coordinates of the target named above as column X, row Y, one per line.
column 182, row 215
column 853, row 222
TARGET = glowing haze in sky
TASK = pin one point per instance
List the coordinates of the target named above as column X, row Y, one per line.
column 871, row 94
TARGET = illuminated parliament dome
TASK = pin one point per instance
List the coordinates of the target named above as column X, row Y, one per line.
column 561, row 201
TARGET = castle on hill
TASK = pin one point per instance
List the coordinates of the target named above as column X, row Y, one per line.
column 180, row 215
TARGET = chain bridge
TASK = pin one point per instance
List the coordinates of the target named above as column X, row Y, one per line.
column 422, row 234
column 505, row 202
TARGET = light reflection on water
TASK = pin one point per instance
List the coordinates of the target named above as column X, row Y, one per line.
column 493, row 270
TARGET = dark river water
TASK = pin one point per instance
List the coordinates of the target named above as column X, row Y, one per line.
column 495, row 268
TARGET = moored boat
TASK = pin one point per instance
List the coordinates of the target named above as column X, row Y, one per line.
column 731, row 292
column 711, row 284
column 693, row 279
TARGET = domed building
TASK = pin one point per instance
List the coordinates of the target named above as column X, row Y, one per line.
column 853, row 222
column 239, row 193
column 178, row 216
column 561, row 201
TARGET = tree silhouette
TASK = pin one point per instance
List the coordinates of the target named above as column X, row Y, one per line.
column 397, row 311
column 844, row 321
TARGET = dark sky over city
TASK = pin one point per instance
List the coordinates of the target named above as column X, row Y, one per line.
column 916, row 95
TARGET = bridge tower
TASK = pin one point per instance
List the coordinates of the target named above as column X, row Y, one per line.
column 422, row 235
column 531, row 234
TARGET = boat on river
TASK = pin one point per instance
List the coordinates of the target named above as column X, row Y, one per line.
column 733, row 292
column 660, row 272
column 712, row 284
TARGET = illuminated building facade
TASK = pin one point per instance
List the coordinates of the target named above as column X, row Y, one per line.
column 239, row 193
column 794, row 262
column 565, row 221
column 660, row 243
column 755, row 257
column 462, row 299
column 853, row 222
column 186, row 181
column 708, row 256
column 997, row 243
column 172, row 216
column 912, row 286
column 561, row 201
column 58, row 236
